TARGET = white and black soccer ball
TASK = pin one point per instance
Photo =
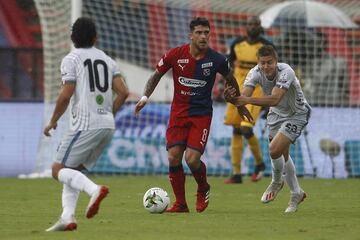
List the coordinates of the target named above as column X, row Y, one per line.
column 156, row 200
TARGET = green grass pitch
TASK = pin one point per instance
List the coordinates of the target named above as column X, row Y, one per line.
column 331, row 211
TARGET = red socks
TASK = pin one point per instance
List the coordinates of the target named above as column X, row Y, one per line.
column 200, row 177
column 177, row 180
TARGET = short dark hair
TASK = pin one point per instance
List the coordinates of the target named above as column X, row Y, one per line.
column 267, row 50
column 83, row 33
column 254, row 18
column 199, row 21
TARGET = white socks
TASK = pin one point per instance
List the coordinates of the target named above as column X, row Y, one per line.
column 277, row 169
column 77, row 180
column 69, row 201
column 290, row 176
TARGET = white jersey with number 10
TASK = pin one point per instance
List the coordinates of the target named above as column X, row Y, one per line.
column 91, row 104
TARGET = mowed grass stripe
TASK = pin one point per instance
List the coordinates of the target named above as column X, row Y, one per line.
column 331, row 211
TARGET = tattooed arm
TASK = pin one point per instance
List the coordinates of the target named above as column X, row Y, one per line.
column 149, row 89
column 231, row 84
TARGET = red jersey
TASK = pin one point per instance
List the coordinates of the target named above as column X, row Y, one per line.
column 193, row 79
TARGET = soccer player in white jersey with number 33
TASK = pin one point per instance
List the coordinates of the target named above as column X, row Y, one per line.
column 288, row 115
column 89, row 78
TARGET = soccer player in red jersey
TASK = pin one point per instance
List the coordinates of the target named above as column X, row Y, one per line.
column 194, row 69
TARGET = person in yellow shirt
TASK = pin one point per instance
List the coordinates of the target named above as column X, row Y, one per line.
column 243, row 57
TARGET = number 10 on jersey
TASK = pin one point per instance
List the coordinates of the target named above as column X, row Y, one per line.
column 94, row 77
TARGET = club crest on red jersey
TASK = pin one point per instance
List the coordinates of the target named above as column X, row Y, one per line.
column 206, row 72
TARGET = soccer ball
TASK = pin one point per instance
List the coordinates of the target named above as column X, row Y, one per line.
column 156, row 200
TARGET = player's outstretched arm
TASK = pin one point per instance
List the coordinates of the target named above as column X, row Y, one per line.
column 232, row 85
column 121, row 91
column 265, row 101
column 149, row 89
column 62, row 102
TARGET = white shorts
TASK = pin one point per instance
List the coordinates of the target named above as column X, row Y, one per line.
column 83, row 147
column 291, row 127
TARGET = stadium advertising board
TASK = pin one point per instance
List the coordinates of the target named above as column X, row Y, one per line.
column 139, row 144
column 138, row 147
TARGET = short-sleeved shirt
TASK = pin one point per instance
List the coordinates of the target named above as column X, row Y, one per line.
column 91, row 104
column 193, row 79
column 293, row 102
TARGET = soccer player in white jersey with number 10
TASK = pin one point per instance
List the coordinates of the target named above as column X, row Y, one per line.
column 89, row 78
column 288, row 115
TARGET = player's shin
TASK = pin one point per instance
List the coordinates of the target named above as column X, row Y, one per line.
column 177, row 180
column 290, row 176
column 203, row 191
column 277, row 169
column 255, row 149
column 200, row 177
column 70, row 197
column 236, row 153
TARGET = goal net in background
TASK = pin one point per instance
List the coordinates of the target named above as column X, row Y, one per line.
column 55, row 25
column 137, row 33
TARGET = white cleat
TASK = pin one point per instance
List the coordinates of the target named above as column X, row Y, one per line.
column 295, row 200
column 95, row 201
column 272, row 190
column 63, row 225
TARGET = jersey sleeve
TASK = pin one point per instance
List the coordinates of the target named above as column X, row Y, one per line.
column 224, row 67
column 115, row 69
column 286, row 78
column 252, row 78
column 68, row 70
column 166, row 62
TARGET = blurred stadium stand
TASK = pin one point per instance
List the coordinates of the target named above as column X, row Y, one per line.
column 23, row 77
column 21, row 74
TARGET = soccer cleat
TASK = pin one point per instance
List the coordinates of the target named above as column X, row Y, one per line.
column 202, row 200
column 63, row 225
column 95, row 201
column 236, row 178
column 258, row 173
column 178, row 208
column 295, row 200
column 272, row 190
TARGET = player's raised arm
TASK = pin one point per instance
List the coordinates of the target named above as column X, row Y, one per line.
column 232, row 85
column 149, row 89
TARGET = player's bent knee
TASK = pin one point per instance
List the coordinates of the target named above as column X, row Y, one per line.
column 192, row 159
column 174, row 161
column 56, row 167
column 275, row 151
column 193, row 163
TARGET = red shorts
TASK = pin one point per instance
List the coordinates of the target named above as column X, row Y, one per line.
column 191, row 131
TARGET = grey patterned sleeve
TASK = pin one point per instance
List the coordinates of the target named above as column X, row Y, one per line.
column 286, row 78
column 68, row 69
column 252, row 78
column 115, row 69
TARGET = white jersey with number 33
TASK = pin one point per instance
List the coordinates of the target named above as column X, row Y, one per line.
column 293, row 102
column 91, row 104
